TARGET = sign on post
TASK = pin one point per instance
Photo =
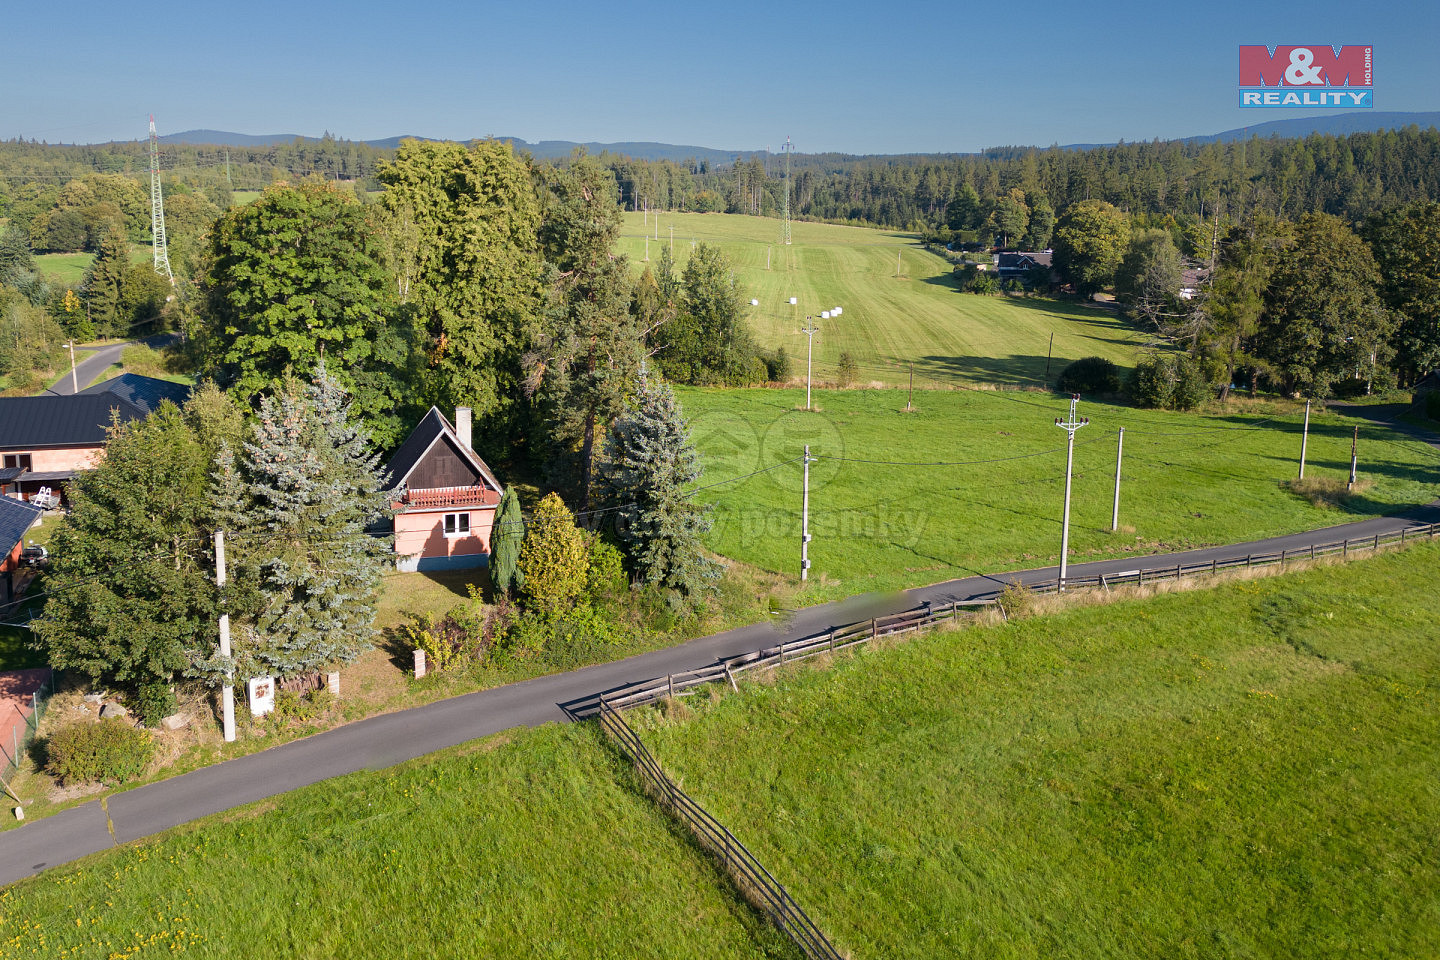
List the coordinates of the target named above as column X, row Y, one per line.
column 262, row 695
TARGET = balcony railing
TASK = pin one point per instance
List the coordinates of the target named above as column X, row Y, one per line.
column 450, row 497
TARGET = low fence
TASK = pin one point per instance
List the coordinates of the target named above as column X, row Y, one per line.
column 754, row 880
column 791, row 651
column 19, row 720
column 1340, row 548
column 841, row 638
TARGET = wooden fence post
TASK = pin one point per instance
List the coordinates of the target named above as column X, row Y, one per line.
column 670, row 683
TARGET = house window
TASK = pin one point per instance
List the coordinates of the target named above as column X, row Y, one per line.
column 457, row 524
column 21, row 460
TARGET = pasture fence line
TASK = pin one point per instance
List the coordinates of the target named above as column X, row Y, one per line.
column 926, row 615
column 1341, row 548
column 756, row 882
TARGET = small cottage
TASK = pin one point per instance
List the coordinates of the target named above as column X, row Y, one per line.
column 445, row 497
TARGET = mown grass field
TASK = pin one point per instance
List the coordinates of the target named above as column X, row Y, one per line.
column 887, row 321
column 69, row 268
column 532, row 844
column 1187, row 481
column 1247, row 771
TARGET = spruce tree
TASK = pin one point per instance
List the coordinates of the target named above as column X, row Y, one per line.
column 651, row 463
column 300, row 500
column 506, row 536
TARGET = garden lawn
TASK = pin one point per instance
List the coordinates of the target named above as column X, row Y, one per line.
column 1188, row 480
column 887, row 321
column 1245, row 771
column 533, row 844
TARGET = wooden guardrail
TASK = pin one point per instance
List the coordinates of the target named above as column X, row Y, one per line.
column 749, row 873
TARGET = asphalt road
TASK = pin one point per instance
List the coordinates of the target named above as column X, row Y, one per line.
column 388, row 739
column 91, row 365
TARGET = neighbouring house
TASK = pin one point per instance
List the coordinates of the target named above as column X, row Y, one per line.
column 16, row 517
column 1019, row 264
column 1191, row 280
column 445, row 497
column 46, row 440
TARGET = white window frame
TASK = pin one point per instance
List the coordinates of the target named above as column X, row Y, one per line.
column 455, row 525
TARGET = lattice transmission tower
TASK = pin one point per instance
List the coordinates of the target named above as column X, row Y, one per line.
column 787, row 149
column 157, row 209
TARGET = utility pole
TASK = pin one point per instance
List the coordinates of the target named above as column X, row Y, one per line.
column 1119, row 455
column 805, row 520
column 74, row 377
column 161, row 251
column 1069, row 426
column 672, row 241
column 227, row 692
column 1304, row 439
column 1049, row 352
column 1354, row 451
column 809, row 331
column 647, row 250
column 787, row 149
column 910, row 397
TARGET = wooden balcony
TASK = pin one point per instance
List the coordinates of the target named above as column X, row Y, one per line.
column 476, row 496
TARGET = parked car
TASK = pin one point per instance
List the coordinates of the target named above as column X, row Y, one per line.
column 34, row 556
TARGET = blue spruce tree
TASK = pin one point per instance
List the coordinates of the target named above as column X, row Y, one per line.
column 300, row 501
column 650, row 464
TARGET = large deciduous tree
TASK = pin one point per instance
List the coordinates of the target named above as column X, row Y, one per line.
column 471, row 273
column 131, row 594
column 1090, row 241
column 1148, row 278
column 1323, row 319
column 297, row 276
column 1406, row 245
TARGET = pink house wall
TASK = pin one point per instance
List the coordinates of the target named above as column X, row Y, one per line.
column 48, row 461
column 420, row 534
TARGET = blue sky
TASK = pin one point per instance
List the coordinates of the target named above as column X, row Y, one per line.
column 845, row 76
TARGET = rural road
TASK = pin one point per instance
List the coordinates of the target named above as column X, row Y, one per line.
column 388, row 739
column 89, row 366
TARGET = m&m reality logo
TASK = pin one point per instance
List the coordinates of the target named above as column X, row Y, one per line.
column 1314, row 75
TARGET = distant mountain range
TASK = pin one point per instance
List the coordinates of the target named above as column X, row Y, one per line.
column 544, row 149
column 1334, row 124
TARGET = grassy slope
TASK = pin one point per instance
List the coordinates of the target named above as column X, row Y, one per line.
column 920, row 316
column 878, row 526
column 1242, row 772
column 538, row 845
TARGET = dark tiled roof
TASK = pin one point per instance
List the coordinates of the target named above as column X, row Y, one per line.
column 10, row 473
column 430, row 428
column 16, row 516
column 144, row 392
column 79, row 421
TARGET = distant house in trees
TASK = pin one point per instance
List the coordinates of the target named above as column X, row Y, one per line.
column 1018, row 265
column 46, row 440
column 445, row 497
column 1191, row 281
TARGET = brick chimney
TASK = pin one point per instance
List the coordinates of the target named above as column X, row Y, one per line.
column 462, row 425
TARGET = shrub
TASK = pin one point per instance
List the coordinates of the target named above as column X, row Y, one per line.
column 553, row 557
column 1016, row 601
column 777, row 365
column 1169, row 382
column 464, row 632
column 1089, row 375
column 606, row 575
column 848, row 371
column 153, row 702
column 111, row 751
column 307, row 708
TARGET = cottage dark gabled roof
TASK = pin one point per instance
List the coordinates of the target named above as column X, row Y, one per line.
column 431, row 428
column 79, row 421
column 147, row 393
column 16, row 516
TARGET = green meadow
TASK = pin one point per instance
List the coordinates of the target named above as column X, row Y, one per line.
column 887, row 321
column 536, row 843
column 69, row 268
column 1244, row 771
column 972, row 481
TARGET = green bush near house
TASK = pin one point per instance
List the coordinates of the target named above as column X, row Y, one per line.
column 110, row 751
